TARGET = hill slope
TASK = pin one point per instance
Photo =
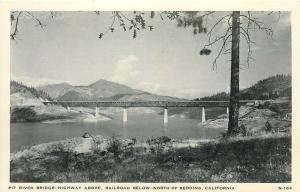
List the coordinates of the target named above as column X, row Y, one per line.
column 23, row 95
column 103, row 88
column 269, row 88
column 56, row 90
column 274, row 87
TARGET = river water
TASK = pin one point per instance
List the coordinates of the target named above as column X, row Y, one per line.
column 139, row 126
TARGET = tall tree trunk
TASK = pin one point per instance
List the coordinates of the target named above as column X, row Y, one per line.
column 233, row 124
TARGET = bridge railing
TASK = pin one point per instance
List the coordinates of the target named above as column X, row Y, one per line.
column 164, row 104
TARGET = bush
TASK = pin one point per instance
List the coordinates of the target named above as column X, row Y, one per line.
column 159, row 140
column 161, row 147
column 277, row 109
column 115, row 147
column 23, row 114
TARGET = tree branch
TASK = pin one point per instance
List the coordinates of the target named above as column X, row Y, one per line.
column 218, row 38
column 35, row 18
column 220, row 51
column 214, row 26
column 13, row 35
column 260, row 25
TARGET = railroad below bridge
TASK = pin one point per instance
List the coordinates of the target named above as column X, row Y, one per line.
column 161, row 104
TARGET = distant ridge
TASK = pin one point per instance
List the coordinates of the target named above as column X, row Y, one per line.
column 269, row 88
column 100, row 90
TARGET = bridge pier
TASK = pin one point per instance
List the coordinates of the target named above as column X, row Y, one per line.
column 124, row 115
column 96, row 112
column 203, row 115
column 165, row 116
column 227, row 110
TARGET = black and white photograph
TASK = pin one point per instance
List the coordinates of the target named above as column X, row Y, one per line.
column 150, row 96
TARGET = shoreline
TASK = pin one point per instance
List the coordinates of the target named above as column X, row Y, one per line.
column 72, row 143
column 109, row 159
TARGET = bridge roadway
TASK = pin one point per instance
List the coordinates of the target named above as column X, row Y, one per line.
column 162, row 104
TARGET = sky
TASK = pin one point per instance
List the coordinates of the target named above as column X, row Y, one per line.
column 163, row 61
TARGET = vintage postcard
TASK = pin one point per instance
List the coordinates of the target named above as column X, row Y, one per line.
column 158, row 97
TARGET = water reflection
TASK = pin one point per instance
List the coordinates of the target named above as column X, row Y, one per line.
column 165, row 129
column 125, row 130
column 96, row 126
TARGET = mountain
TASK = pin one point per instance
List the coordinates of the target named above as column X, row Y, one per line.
column 24, row 95
column 270, row 88
column 56, row 90
column 100, row 90
column 103, row 88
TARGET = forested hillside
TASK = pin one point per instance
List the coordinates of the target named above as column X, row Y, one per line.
column 270, row 88
column 17, row 87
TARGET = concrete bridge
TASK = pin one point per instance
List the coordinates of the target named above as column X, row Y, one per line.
column 161, row 104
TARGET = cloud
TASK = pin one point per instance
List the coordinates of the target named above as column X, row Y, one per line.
column 157, row 88
column 164, row 89
column 125, row 70
column 129, row 71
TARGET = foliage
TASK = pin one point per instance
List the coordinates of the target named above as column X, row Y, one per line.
column 205, row 51
column 23, row 114
column 159, row 140
column 229, row 160
column 134, row 23
column 216, row 97
column 27, row 114
column 16, row 87
column 157, row 145
column 161, row 147
column 115, row 147
column 269, row 88
column 15, row 17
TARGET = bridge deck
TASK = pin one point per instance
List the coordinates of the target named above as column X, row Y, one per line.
column 126, row 104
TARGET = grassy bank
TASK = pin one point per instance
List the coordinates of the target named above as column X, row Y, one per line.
column 260, row 159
